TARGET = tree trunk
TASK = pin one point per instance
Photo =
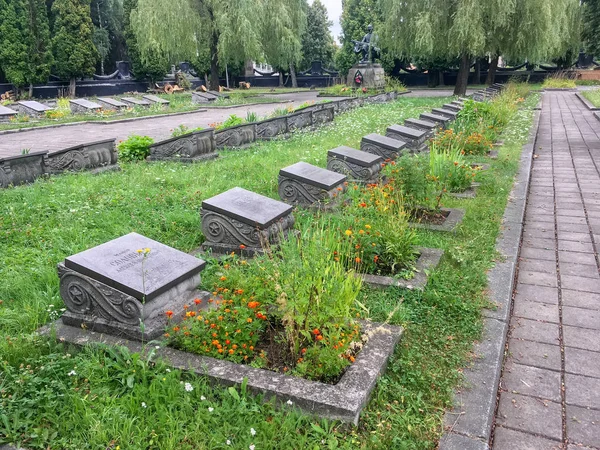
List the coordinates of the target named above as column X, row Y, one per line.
column 491, row 76
column 477, row 76
column 280, row 77
column 293, row 74
column 206, row 80
column 30, row 90
column 214, row 62
column 442, row 82
column 462, row 80
column 433, row 78
column 72, row 87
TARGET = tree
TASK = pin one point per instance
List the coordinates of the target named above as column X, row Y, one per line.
column 356, row 15
column 74, row 51
column 317, row 41
column 591, row 26
column 231, row 30
column 107, row 16
column 468, row 29
column 154, row 65
column 25, row 50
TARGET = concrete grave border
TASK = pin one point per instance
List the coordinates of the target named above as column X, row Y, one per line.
column 589, row 105
column 469, row 424
column 450, row 225
column 343, row 401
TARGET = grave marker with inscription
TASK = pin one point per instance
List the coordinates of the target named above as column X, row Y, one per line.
column 125, row 286
column 360, row 167
column 311, row 186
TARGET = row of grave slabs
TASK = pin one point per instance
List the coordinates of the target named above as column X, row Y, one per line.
column 109, row 290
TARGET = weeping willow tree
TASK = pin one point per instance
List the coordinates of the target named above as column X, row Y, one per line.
column 466, row 29
column 184, row 29
column 283, row 24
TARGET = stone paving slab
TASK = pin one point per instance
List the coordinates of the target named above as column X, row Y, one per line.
column 556, row 309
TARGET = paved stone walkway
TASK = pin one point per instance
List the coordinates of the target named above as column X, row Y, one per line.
column 550, row 387
column 158, row 127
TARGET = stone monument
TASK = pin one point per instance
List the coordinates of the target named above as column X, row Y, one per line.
column 367, row 74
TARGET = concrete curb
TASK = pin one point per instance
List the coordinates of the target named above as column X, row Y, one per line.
column 589, row 105
column 469, row 423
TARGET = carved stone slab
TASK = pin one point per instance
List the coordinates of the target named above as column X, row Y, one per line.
column 309, row 185
column 452, row 107
column 415, row 139
column 156, row 99
column 16, row 170
column 445, row 112
column 117, row 287
column 270, row 128
column 111, row 103
column 243, row 220
column 379, row 98
column 236, row 137
column 132, row 101
column 344, row 105
column 358, row 166
column 299, row 120
column 82, row 106
column 383, row 146
column 442, row 120
column 6, row 114
column 192, row 147
column 118, row 264
column 203, row 97
column 423, row 125
column 323, row 115
column 32, row 108
column 458, row 103
column 94, row 155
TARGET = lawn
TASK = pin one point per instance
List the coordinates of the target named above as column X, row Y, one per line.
column 593, row 96
column 56, row 397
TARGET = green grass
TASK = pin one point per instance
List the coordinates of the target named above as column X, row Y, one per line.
column 593, row 96
column 100, row 406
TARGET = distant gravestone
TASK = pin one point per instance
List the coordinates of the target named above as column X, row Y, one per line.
column 452, row 107
column 415, row 139
column 111, row 103
column 445, row 112
column 83, row 106
column 119, row 289
column 244, row 222
column 6, row 114
column 387, row 148
column 132, row 101
column 203, row 97
column 358, row 166
column 442, row 120
column 423, row 125
column 311, row 186
column 156, row 99
column 32, row 108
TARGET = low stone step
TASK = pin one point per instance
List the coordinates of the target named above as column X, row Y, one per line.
column 442, row 120
column 132, row 101
column 155, row 99
column 415, row 139
column 383, row 146
column 111, row 103
column 82, row 106
column 310, row 186
column 358, row 166
column 445, row 112
column 32, row 108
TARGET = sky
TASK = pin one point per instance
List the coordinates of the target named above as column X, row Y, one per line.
column 334, row 11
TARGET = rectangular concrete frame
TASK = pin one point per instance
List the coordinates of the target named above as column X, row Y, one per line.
column 429, row 258
column 450, row 225
column 343, row 401
column 589, row 105
column 469, row 424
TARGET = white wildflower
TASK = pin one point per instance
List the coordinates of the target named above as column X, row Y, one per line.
column 251, row 447
column 211, row 409
column 143, row 404
column 189, row 387
column 202, row 397
column 72, row 373
column 289, row 402
column 252, row 431
column 228, row 442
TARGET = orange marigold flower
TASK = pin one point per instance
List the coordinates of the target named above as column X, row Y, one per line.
column 357, row 259
column 316, row 332
column 169, row 314
column 320, row 337
column 176, row 329
column 223, row 278
column 242, row 246
column 249, row 320
column 197, row 301
column 253, row 305
column 231, row 352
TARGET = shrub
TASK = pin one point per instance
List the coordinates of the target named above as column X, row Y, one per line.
column 251, row 116
column 135, row 148
column 182, row 129
column 447, row 167
column 231, row 121
column 559, row 80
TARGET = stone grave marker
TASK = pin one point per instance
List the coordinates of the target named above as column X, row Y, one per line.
column 116, row 289
column 244, row 222
column 311, row 186
column 156, row 99
column 452, row 107
column 299, row 120
column 16, row 170
column 99, row 156
column 191, row 147
column 423, row 125
column 111, row 103
column 32, row 108
column 383, row 146
column 83, row 106
column 270, row 128
column 323, row 115
column 445, row 112
column 203, row 97
column 442, row 120
column 415, row 139
column 239, row 136
column 132, row 101
column 358, row 166
column 6, row 114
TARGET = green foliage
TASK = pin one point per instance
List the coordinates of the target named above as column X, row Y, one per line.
column 74, row 51
column 135, row 148
column 593, row 96
column 559, row 80
column 108, row 15
column 448, row 169
column 25, row 49
column 591, row 26
column 317, row 41
column 410, row 175
column 231, row 121
column 182, row 129
column 251, row 116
